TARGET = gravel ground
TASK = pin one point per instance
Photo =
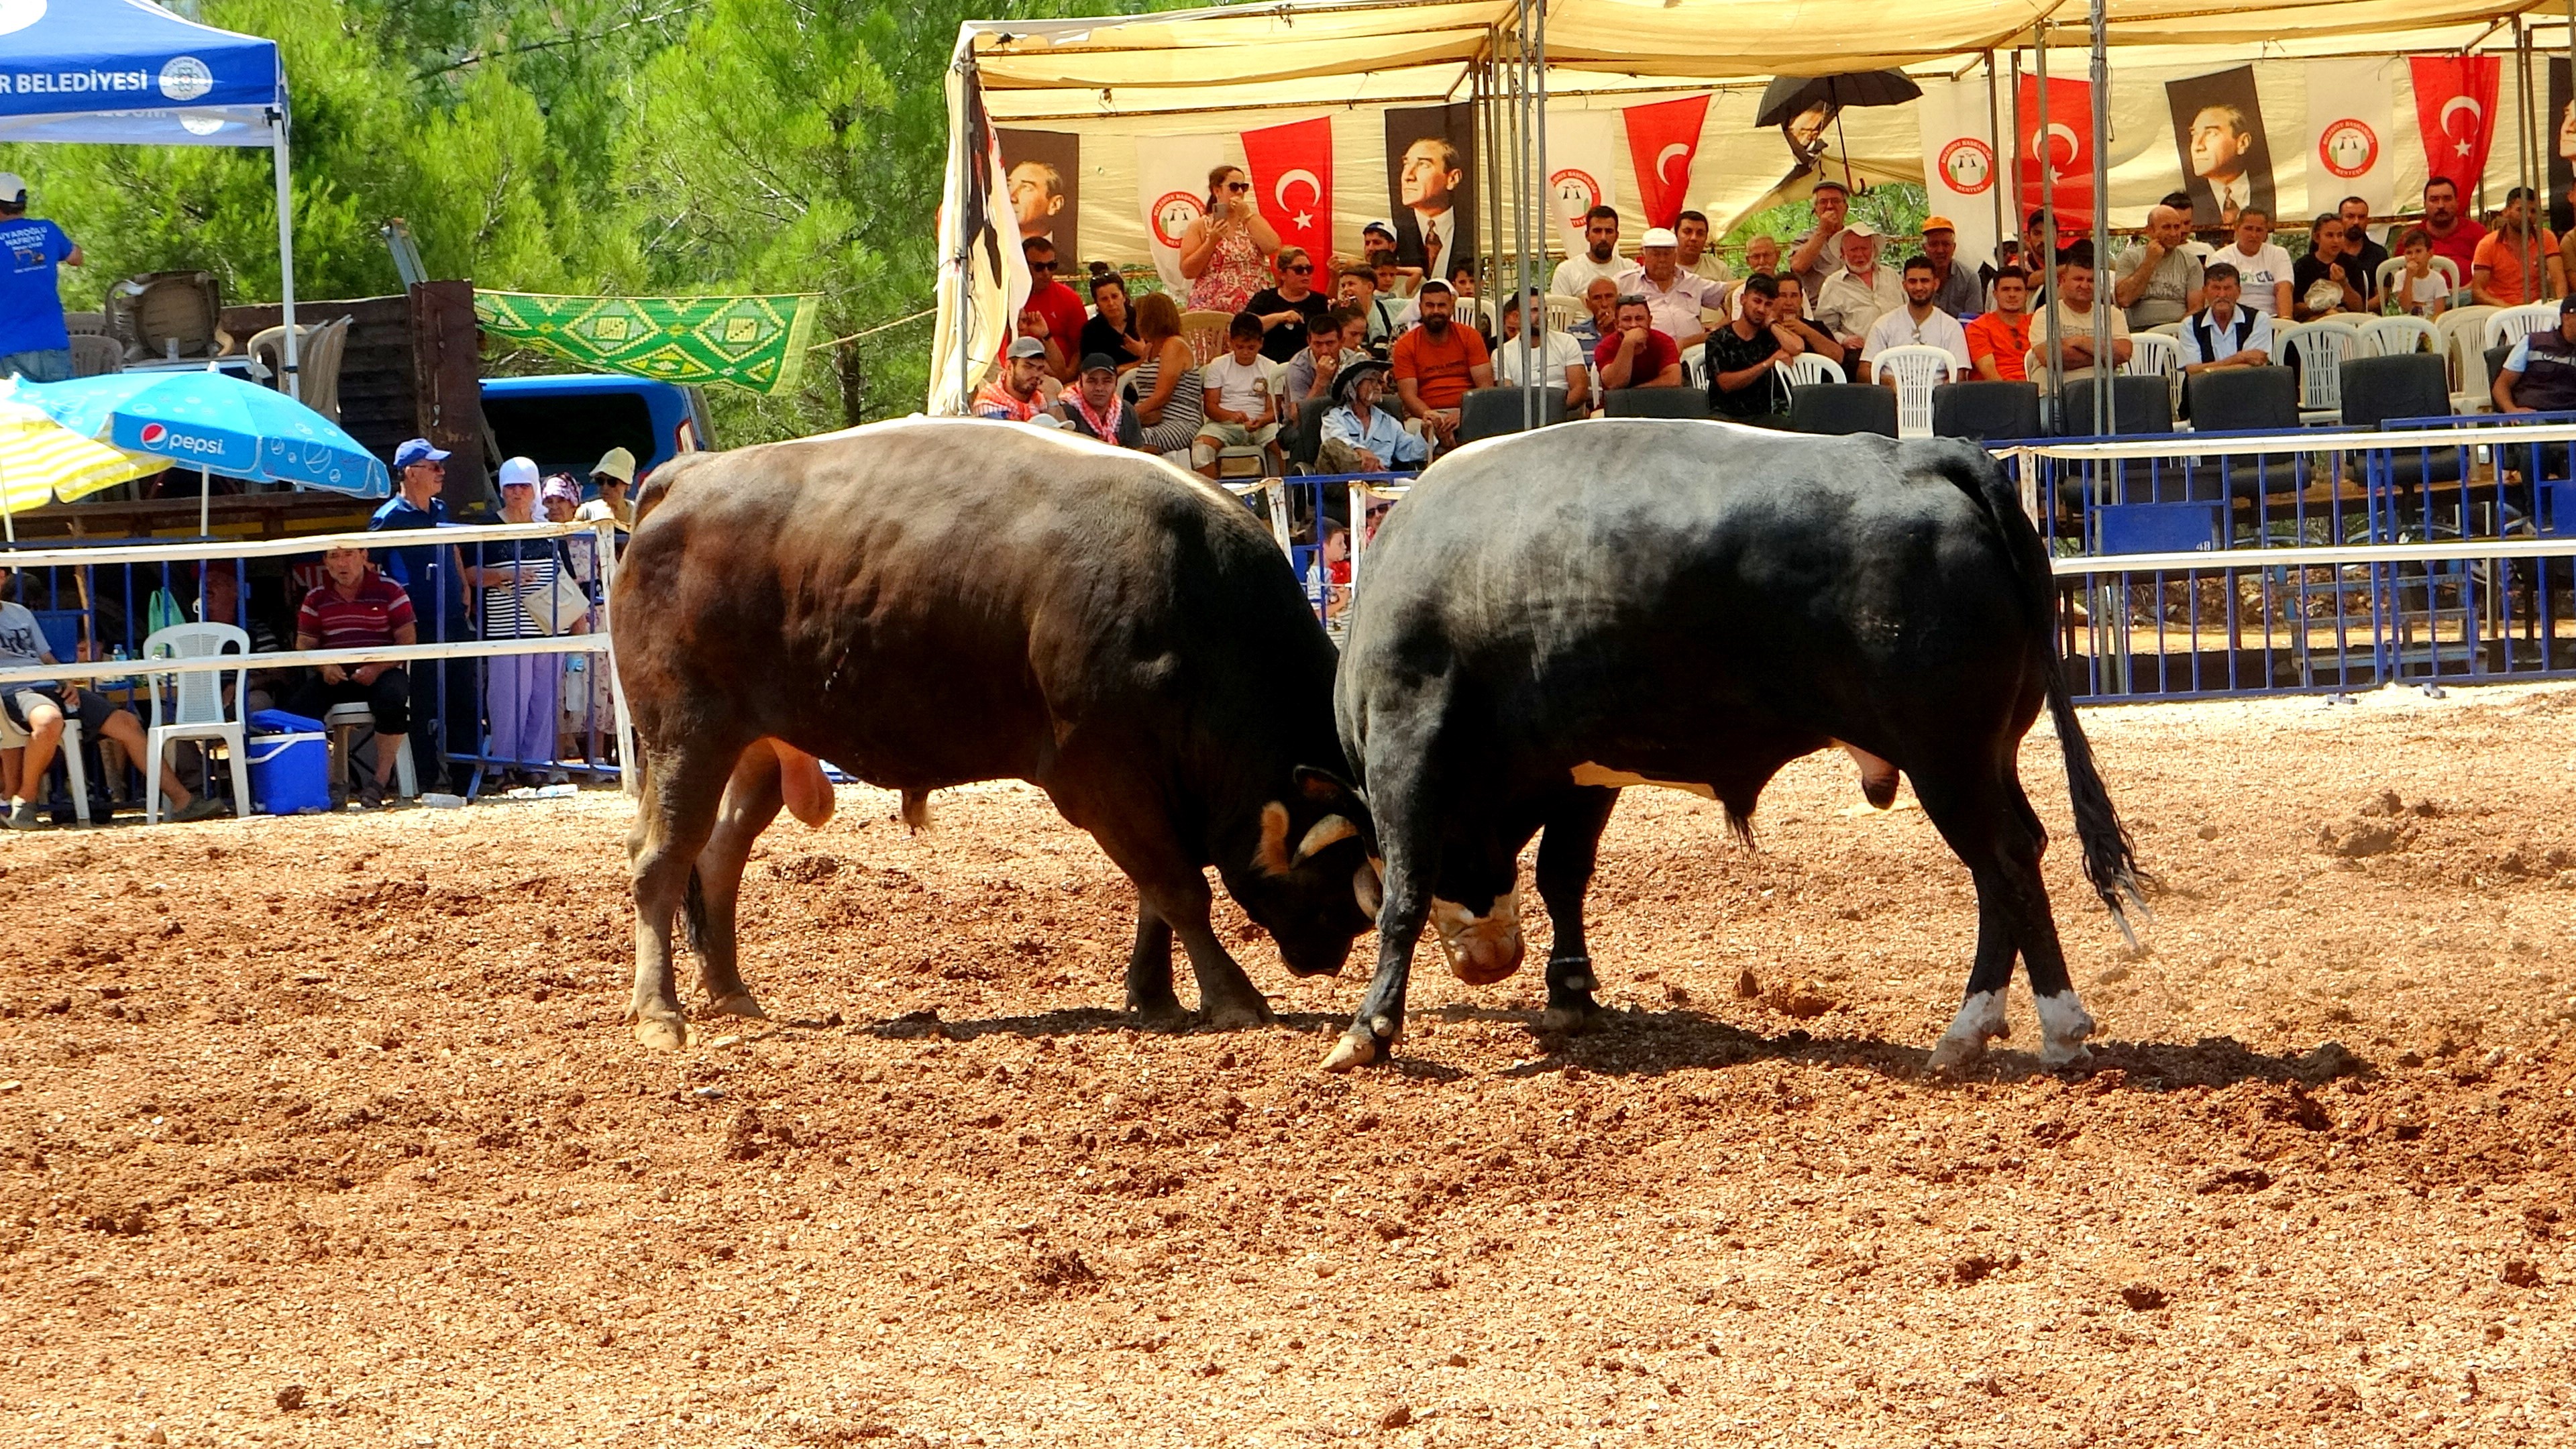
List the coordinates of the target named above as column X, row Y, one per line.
column 326, row 1131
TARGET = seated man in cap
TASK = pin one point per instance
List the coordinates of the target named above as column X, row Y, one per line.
column 1674, row 296
column 614, row 473
column 1093, row 407
column 1360, row 436
column 1018, row 394
column 1955, row 289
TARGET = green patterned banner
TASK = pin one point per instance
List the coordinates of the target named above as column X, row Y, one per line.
column 754, row 343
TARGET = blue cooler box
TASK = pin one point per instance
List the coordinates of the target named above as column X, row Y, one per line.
column 290, row 764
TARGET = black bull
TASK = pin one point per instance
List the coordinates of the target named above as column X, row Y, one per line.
column 1550, row 616
column 925, row 604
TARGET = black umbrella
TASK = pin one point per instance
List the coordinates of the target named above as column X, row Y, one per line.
column 1791, row 96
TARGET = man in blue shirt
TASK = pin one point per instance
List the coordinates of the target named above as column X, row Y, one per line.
column 1361, row 437
column 33, row 342
column 437, row 580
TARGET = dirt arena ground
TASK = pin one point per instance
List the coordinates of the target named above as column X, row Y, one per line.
column 326, row 1132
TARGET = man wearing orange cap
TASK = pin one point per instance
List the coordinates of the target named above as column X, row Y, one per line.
column 1955, row 289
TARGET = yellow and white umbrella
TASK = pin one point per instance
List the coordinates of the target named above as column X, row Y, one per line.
column 41, row 461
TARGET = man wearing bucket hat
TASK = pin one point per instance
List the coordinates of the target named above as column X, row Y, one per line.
column 1358, row 435
column 34, row 344
column 614, row 474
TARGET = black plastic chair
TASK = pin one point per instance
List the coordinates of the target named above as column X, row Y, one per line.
column 1656, row 402
column 2139, row 405
column 2243, row 400
column 1985, row 411
column 1307, row 438
column 1490, row 412
column 2414, row 385
column 1838, row 409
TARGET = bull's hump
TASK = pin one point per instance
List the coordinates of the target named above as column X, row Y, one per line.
column 1038, row 444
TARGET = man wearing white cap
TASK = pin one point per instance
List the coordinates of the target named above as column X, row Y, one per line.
column 1855, row 298
column 33, row 341
column 1673, row 295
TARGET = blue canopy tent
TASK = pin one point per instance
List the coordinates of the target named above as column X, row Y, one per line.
column 129, row 73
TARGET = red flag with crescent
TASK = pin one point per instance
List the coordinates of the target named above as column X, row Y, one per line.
column 2455, row 108
column 1292, row 176
column 2065, row 146
column 1663, row 139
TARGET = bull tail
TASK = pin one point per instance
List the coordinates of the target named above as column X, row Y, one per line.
column 2110, row 855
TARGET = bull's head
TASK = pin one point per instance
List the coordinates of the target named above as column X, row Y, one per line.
column 1314, row 885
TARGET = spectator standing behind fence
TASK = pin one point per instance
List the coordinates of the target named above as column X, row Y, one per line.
column 1919, row 323
column 518, row 579
column 585, row 676
column 435, row 577
column 1556, row 359
column 2000, row 336
column 2420, row 290
column 2454, row 236
column 1223, row 252
column 2072, row 321
column 1170, row 402
column 2263, row 269
column 614, row 474
column 2160, row 279
column 1436, row 364
column 1599, row 258
column 2225, row 333
column 358, row 608
column 2540, row 375
column 2328, row 280
column 2497, row 278
column 37, row 712
column 1862, row 292
column 1094, row 407
column 1361, row 437
column 1113, row 330
column 34, row 344
column 1744, row 356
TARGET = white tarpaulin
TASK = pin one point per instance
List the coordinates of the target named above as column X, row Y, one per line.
column 2351, row 149
column 1960, row 169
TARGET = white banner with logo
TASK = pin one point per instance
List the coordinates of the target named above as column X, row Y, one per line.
column 1582, row 171
column 1959, row 169
column 1171, row 185
column 2351, row 150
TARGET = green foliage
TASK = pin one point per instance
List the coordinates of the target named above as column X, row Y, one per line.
column 1894, row 208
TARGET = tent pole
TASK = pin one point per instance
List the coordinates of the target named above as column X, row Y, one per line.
column 285, row 251
column 206, row 500
column 1540, row 206
column 1994, row 132
column 2106, row 413
column 2048, row 225
column 2531, row 286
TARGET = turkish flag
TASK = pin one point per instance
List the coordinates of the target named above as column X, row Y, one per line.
column 2455, row 108
column 1659, row 135
column 1292, row 182
column 2066, row 148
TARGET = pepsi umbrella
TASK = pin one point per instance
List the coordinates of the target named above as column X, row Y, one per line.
column 216, row 423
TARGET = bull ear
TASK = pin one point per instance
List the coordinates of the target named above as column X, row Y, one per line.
column 1367, row 886
column 1330, row 830
column 1272, row 854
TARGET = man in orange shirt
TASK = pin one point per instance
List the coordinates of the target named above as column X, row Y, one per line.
column 1437, row 362
column 2496, row 279
column 1998, row 339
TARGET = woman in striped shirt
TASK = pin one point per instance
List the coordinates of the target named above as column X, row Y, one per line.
column 518, row 579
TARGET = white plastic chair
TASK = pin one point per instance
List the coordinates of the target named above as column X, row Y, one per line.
column 198, row 711
column 2398, row 336
column 2157, row 353
column 69, row 752
column 1807, row 368
column 1695, row 366
column 1917, row 371
column 2512, row 324
column 342, row 721
column 2458, row 331
column 1563, row 312
column 2321, row 346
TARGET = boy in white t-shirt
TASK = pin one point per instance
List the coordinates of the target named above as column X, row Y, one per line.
column 2263, row 268
column 1242, row 410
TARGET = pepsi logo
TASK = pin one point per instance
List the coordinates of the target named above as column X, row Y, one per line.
column 154, row 433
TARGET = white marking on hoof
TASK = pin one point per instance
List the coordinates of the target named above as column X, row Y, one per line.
column 1481, row 950
column 1349, row 1052
column 2063, row 1026
column 1980, row 1020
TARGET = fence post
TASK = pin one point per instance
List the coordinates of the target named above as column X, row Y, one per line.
column 630, row 768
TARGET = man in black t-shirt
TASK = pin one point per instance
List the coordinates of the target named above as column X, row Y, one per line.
column 1744, row 382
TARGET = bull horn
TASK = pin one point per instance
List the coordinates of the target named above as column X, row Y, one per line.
column 1272, row 854
column 1327, row 831
column 1369, row 888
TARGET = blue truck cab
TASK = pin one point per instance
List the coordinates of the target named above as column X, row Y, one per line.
column 565, row 421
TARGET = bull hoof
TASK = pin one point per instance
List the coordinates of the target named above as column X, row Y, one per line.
column 1159, row 1016
column 1349, row 1052
column 1240, row 1015
column 1980, row 1020
column 739, row 1003
column 662, row 1033
column 1953, row 1053
column 1569, row 1018
column 2063, row 1026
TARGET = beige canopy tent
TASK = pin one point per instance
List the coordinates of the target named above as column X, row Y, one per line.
column 1532, row 77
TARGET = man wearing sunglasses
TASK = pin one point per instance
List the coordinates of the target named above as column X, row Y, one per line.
column 1054, row 314
column 1288, row 310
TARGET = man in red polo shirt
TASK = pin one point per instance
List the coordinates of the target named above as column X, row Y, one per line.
column 1639, row 354
column 358, row 608
column 2454, row 236
column 1437, row 362
column 1058, row 306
